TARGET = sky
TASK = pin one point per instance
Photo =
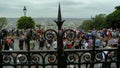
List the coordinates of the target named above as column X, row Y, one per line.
column 49, row 8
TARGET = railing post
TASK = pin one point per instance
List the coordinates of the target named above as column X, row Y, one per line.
column 93, row 53
column 118, row 57
column 61, row 56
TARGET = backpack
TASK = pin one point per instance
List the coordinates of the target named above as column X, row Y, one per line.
column 9, row 41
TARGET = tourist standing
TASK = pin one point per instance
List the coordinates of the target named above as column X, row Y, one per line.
column 54, row 44
column 98, row 43
column 5, row 45
column 48, row 45
column 64, row 43
column 41, row 42
column 21, row 43
column 76, row 43
column 32, row 44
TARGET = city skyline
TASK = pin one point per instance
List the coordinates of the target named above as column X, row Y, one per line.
column 49, row 8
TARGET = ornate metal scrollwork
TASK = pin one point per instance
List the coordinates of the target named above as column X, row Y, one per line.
column 21, row 58
column 7, row 59
column 111, row 56
column 99, row 56
column 51, row 58
column 69, row 34
column 50, row 34
column 72, row 57
column 86, row 57
column 35, row 58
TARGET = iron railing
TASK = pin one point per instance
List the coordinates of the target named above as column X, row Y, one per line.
column 75, row 57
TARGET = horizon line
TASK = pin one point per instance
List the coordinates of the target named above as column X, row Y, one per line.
column 51, row 17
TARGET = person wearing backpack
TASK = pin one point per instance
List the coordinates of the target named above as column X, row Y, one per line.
column 10, row 42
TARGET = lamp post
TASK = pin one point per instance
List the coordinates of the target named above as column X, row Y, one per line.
column 24, row 10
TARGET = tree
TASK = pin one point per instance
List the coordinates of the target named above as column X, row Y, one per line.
column 97, row 22
column 25, row 22
column 3, row 22
column 86, row 24
column 113, row 19
column 38, row 25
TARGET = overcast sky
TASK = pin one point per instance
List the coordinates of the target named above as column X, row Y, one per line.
column 49, row 8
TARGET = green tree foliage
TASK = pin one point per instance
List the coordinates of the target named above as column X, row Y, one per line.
column 25, row 22
column 113, row 19
column 97, row 22
column 38, row 25
column 3, row 22
column 86, row 24
column 117, row 7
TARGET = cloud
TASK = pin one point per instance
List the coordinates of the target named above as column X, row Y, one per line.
column 49, row 8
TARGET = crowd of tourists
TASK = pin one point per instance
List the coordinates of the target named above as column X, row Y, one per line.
column 104, row 38
column 83, row 40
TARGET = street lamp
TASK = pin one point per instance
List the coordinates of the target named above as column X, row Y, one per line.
column 24, row 10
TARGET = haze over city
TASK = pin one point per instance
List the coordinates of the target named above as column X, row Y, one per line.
column 48, row 8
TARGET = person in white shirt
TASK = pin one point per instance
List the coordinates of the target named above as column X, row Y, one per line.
column 86, row 45
column 55, row 44
column 64, row 43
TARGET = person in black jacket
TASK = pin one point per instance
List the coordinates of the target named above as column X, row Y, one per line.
column 21, row 43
